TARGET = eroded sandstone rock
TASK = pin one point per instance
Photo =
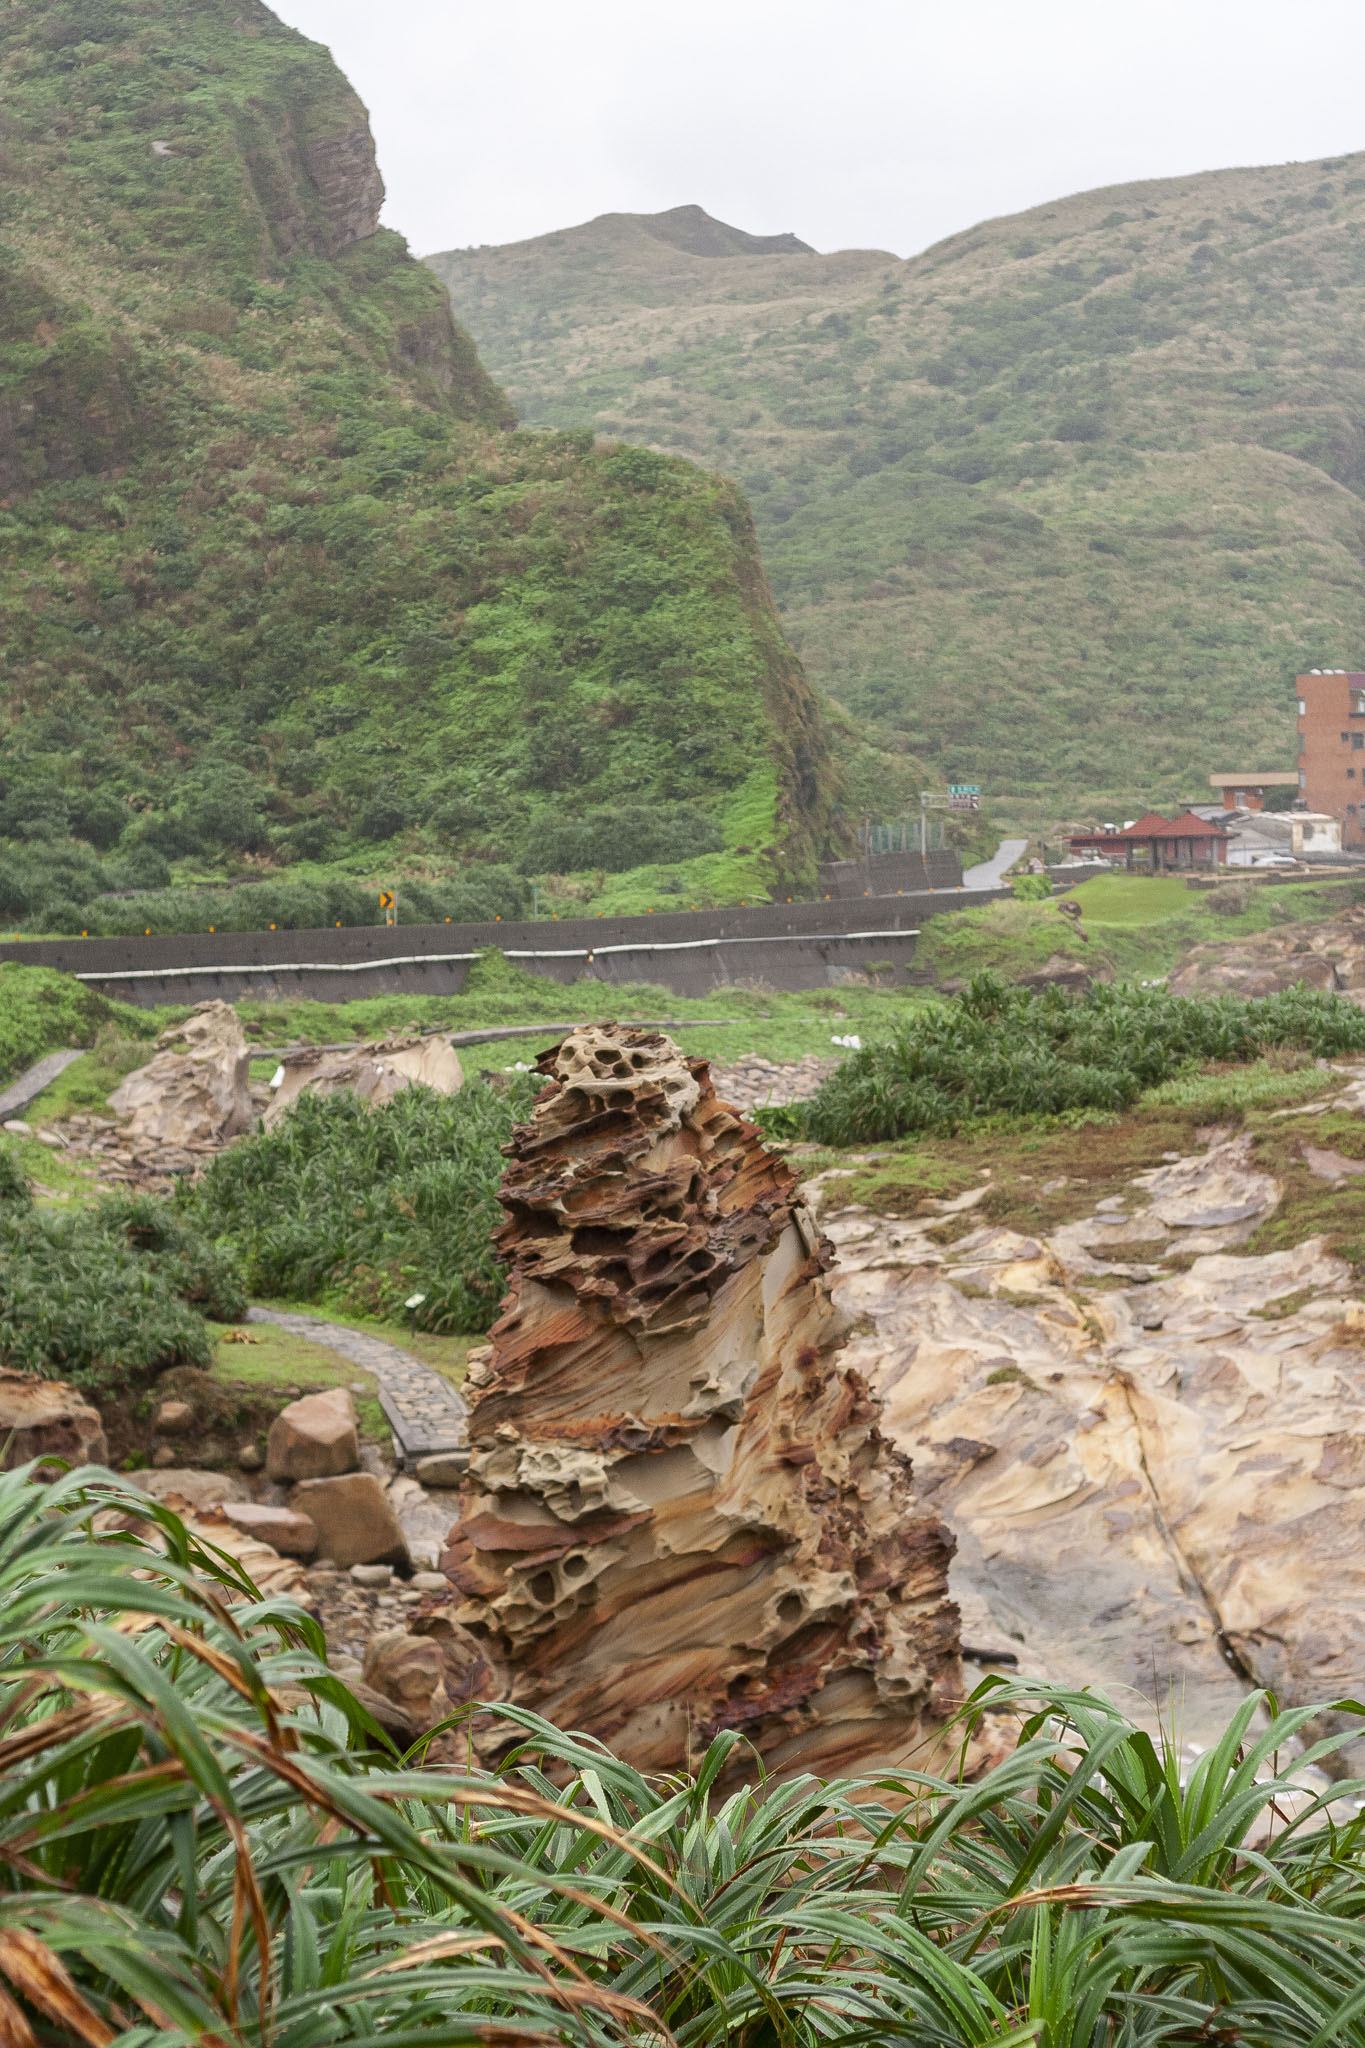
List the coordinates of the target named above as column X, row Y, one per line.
column 47, row 1419
column 1157, row 1478
column 679, row 1515
column 195, row 1091
column 376, row 1073
column 292, row 1534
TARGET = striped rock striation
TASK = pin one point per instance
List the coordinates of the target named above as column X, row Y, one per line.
column 680, row 1516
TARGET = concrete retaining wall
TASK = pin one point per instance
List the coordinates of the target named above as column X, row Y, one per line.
column 791, row 946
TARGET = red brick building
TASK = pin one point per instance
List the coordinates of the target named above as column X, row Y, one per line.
column 1332, row 748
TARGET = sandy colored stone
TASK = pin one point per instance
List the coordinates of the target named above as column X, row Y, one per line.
column 409, row 1670
column 314, row 1437
column 1144, row 1477
column 680, row 1516
column 292, row 1534
column 375, row 1072
column 354, row 1519
column 195, row 1088
column 173, row 1418
column 198, row 1489
column 47, row 1419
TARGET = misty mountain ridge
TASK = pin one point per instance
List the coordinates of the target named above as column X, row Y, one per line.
column 1059, row 505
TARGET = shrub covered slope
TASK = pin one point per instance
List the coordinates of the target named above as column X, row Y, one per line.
column 200, row 1849
column 372, row 1206
column 278, row 577
column 1002, row 1051
column 1046, row 503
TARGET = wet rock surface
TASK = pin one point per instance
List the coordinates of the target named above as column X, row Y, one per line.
column 680, row 1515
column 1156, row 1476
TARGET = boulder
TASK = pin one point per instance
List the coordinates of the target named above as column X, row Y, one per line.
column 409, row 1670
column 314, row 1437
column 173, row 1418
column 199, row 1489
column 47, row 1419
column 194, row 1091
column 375, row 1072
column 354, row 1519
column 292, row 1534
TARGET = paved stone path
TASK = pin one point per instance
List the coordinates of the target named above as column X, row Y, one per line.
column 31, row 1084
column 425, row 1413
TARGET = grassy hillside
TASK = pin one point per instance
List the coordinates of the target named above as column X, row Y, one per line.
column 279, row 580
column 1060, row 505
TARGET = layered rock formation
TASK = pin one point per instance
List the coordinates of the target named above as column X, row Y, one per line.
column 680, row 1516
column 375, row 1072
column 1148, row 1441
column 1330, row 955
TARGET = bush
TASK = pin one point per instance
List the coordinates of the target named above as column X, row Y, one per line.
column 200, row 1837
column 1229, row 899
column 109, row 1295
column 372, row 1205
column 1030, row 888
column 997, row 1050
column 620, row 836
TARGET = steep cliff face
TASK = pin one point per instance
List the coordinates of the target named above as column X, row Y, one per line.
column 680, row 1515
column 265, row 515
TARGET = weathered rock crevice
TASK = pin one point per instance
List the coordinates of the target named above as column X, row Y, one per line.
column 680, row 1514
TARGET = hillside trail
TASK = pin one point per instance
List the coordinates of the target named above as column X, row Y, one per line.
column 424, row 1411
column 1148, row 1441
column 987, row 873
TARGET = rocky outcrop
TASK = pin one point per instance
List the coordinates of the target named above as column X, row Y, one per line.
column 680, row 1516
column 1325, row 956
column 1154, row 1464
column 349, row 187
column 376, row 1073
column 47, row 1419
column 196, row 1091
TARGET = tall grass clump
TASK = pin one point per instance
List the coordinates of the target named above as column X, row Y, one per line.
column 108, row 1295
column 370, row 1206
column 199, row 1847
column 997, row 1050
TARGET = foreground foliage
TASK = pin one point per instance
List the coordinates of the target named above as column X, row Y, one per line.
column 195, row 1850
column 997, row 1050
column 106, row 1295
column 372, row 1205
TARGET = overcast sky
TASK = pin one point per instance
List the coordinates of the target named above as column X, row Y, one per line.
column 866, row 123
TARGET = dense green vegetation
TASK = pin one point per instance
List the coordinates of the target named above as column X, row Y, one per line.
column 1047, row 507
column 996, row 1050
column 374, row 1207
column 108, row 1294
column 279, row 582
column 199, row 1848
column 42, row 1011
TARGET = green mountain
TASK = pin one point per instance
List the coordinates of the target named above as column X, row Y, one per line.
column 1060, row 505
column 280, row 580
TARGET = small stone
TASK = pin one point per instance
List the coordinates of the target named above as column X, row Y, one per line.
column 52, row 1138
column 442, row 1468
column 18, row 1128
column 173, row 1418
column 250, row 1457
column 164, row 1456
column 372, row 1574
column 430, row 1582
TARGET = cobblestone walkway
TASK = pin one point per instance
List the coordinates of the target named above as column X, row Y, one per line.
column 425, row 1413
